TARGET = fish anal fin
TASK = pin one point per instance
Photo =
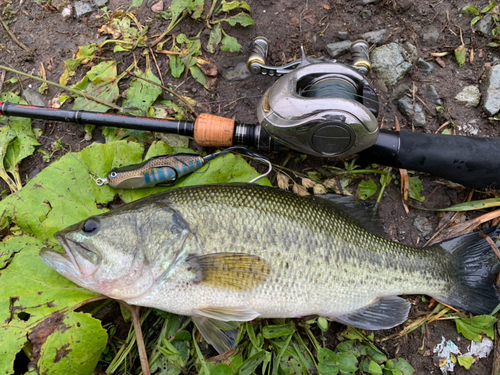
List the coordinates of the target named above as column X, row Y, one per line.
column 221, row 335
column 235, row 271
column 384, row 313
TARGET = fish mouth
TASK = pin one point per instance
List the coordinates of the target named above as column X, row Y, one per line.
column 63, row 263
column 73, row 263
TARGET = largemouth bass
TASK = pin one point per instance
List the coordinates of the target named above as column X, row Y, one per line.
column 226, row 253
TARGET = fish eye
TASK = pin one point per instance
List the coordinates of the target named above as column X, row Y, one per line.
column 91, row 226
column 113, row 174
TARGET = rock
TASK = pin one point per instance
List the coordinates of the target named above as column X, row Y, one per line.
column 157, row 7
column 424, row 67
column 365, row 14
column 239, row 73
column 434, row 96
column 399, row 91
column 100, row 3
column 378, row 37
column 82, row 9
column 34, row 98
column 485, row 25
column 423, row 225
column 469, row 96
column 412, row 52
column 431, row 36
column 59, row 4
column 413, row 113
column 490, row 88
column 343, row 35
column 338, row 48
column 389, row 64
column 33, row 173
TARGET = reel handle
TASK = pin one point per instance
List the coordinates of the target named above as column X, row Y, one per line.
column 470, row 161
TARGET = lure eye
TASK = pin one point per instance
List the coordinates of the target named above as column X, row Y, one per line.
column 113, row 174
column 91, row 226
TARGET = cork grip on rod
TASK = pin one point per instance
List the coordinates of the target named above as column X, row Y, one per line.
column 215, row 131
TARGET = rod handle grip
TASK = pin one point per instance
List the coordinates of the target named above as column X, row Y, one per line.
column 214, row 131
column 470, row 161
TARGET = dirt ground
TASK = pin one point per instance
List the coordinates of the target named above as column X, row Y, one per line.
column 288, row 24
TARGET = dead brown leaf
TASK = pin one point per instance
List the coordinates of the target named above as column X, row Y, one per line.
column 208, row 68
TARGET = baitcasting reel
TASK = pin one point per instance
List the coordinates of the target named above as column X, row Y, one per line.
column 321, row 108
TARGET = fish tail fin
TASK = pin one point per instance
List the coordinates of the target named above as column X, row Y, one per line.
column 474, row 268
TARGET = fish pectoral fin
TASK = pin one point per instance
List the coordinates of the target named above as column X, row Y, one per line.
column 228, row 314
column 221, row 335
column 230, row 270
column 385, row 313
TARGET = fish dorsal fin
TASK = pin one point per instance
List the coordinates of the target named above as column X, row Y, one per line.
column 236, row 271
column 361, row 211
column 228, row 314
column 384, row 313
column 221, row 335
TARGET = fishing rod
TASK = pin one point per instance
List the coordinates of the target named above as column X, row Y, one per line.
column 326, row 109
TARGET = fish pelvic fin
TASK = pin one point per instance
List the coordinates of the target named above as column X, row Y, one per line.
column 474, row 269
column 384, row 313
column 236, row 271
column 219, row 325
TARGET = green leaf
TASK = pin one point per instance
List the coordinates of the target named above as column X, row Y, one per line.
column 242, row 18
column 399, row 364
column 475, row 20
column 460, row 55
column 374, row 368
column 176, row 66
column 141, row 93
column 17, row 142
column 471, row 9
column 465, row 361
column 105, row 87
column 472, row 329
column 32, row 297
column 196, row 7
column 366, row 189
column 489, row 7
column 74, row 347
column 274, row 331
column 229, row 44
column 215, row 38
column 222, row 369
column 323, row 324
column 250, row 365
column 137, row 3
column 227, row 7
column 416, row 188
column 199, row 76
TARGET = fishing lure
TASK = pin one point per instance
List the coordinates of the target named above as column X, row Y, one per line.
column 164, row 170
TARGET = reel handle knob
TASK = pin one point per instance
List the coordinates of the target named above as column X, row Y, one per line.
column 361, row 56
column 258, row 55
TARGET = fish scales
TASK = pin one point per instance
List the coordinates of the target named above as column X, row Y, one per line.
column 316, row 254
column 234, row 252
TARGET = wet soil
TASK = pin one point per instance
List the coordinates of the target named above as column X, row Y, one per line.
column 288, row 24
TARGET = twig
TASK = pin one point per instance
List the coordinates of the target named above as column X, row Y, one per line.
column 65, row 88
column 88, row 301
column 13, row 36
column 2, row 80
column 168, row 90
column 141, row 348
column 157, row 67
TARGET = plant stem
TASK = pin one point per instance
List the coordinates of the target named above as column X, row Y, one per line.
column 65, row 88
